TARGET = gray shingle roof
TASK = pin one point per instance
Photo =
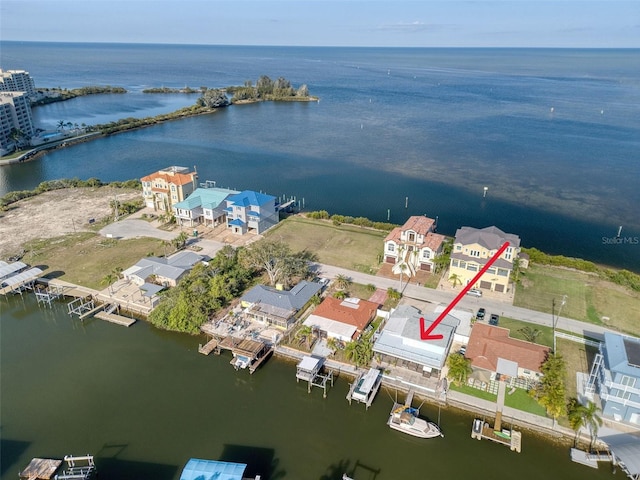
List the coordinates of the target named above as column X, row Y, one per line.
column 293, row 299
column 489, row 237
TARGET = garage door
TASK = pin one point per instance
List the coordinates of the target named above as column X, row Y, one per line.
column 390, row 259
column 485, row 285
column 425, row 266
column 499, row 288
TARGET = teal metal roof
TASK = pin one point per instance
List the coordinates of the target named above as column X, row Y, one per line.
column 205, row 197
column 197, row 469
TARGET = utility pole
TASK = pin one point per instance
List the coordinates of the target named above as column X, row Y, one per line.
column 555, row 318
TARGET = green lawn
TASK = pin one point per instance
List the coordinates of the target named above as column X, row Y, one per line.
column 344, row 246
column 474, row 392
column 521, row 400
column 588, row 297
column 546, row 333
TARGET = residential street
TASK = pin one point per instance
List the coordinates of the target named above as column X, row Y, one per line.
column 444, row 297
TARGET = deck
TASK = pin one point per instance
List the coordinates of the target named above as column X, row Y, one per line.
column 117, row 319
column 482, row 430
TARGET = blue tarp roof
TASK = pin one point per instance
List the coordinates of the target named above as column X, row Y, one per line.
column 197, row 469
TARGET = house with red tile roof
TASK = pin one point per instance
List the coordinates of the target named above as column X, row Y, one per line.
column 166, row 187
column 414, row 245
column 491, row 348
column 342, row 319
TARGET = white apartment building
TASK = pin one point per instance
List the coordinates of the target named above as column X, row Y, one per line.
column 17, row 81
column 15, row 113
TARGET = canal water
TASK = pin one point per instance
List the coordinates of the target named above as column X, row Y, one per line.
column 144, row 401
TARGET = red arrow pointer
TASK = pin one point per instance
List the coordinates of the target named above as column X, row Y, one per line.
column 425, row 334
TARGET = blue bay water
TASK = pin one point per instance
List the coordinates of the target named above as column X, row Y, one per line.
column 553, row 134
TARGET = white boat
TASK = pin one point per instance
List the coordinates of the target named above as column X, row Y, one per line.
column 405, row 419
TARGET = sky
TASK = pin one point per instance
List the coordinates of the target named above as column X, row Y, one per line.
column 387, row 23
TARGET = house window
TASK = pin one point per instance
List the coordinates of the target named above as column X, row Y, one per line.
column 454, row 263
column 426, row 254
column 472, row 267
column 474, row 253
column 458, row 248
column 463, row 264
column 491, row 270
column 391, row 247
column 412, row 237
column 627, row 381
column 503, row 272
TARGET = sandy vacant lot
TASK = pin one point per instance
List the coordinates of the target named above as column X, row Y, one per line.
column 55, row 213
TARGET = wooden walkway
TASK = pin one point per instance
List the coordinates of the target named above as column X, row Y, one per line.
column 117, row 319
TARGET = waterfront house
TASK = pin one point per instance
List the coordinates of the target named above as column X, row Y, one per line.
column 493, row 350
column 415, row 244
column 250, row 211
column 205, row 206
column 399, row 343
column 163, row 271
column 472, row 249
column 166, row 187
column 343, row 320
column 273, row 306
column 617, row 371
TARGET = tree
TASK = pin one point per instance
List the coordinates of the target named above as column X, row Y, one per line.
column 530, row 334
column 213, row 98
column 455, row 280
column 332, row 344
column 550, row 391
column 459, row 368
column 584, row 416
column 180, row 241
column 305, row 333
column 340, row 295
column 264, row 86
column 343, row 282
column 303, row 91
column 109, row 279
column 393, row 294
column 592, row 420
column 277, row 260
column 360, row 351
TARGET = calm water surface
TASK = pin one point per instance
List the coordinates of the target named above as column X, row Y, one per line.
column 145, row 401
column 553, row 134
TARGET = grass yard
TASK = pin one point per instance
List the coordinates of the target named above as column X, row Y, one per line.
column 344, row 246
column 85, row 258
column 546, row 333
column 589, row 298
column 521, row 400
column 474, row 392
column 578, row 358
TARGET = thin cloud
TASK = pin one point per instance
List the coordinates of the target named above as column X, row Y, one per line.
column 416, row 26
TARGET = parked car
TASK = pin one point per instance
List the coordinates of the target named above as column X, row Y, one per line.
column 480, row 314
column 493, row 320
column 475, row 292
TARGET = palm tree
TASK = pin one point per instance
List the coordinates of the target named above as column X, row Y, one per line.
column 576, row 418
column 61, row 125
column 592, row 421
column 109, row 279
column 455, row 280
column 304, row 334
column 340, row 295
column 332, row 344
column 343, row 282
column 180, row 240
column 459, row 368
column 530, row 334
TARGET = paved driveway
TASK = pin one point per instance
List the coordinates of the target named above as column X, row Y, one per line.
column 131, row 228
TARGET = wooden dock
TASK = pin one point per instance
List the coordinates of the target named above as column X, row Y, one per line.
column 209, row 347
column 510, row 438
column 590, row 459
